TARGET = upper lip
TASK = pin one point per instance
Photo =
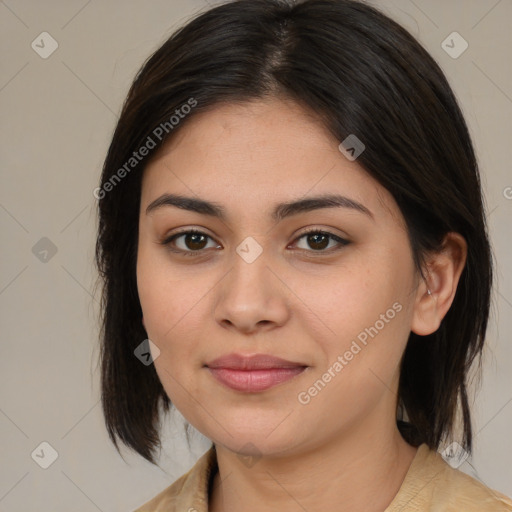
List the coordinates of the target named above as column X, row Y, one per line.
column 251, row 362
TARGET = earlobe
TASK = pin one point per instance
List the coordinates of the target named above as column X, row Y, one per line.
column 425, row 318
column 444, row 269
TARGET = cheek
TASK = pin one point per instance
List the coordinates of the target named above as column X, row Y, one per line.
column 345, row 299
column 363, row 314
column 173, row 306
column 168, row 298
column 168, row 309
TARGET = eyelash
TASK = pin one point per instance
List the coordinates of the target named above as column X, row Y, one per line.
column 341, row 241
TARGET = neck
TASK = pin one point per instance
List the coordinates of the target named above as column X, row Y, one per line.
column 359, row 471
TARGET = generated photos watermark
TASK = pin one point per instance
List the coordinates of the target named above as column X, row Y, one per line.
column 305, row 397
column 147, row 352
column 454, row 454
column 137, row 156
column 352, row 147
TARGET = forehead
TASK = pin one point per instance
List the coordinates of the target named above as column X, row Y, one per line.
column 255, row 154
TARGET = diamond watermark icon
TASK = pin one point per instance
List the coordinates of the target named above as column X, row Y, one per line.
column 44, row 455
column 249, row 249
column 250, row 460
column 352, row 147
column 44, row 250
column 454, row 454
column 454, row 45
column 147, row 352
column 44, row 45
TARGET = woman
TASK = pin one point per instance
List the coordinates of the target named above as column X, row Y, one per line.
column 295, row 255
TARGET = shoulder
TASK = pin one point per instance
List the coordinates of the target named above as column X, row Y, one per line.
column 165, row 500
column 431, row 484
column 463, row 492
column 189, row 492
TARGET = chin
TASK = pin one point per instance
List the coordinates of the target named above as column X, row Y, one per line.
column 247, row 444
column 254, row 440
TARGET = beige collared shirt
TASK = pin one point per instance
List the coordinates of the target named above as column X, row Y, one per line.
column 430, row 485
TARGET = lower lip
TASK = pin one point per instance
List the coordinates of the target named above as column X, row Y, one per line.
column 251, row 381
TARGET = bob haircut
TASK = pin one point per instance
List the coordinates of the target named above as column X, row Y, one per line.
column 358, row 72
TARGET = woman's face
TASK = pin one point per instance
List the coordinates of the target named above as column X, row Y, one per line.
column 252, row 283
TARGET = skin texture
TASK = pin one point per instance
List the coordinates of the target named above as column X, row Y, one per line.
column 342, row 449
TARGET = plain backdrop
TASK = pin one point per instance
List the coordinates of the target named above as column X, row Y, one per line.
column 58, row 115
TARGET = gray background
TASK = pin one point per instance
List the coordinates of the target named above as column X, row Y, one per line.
column 58, row 115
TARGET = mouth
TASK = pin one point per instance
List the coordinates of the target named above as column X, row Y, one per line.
column 254, row 373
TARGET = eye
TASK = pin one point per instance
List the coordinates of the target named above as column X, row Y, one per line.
column 192, row 242
column 319, row 240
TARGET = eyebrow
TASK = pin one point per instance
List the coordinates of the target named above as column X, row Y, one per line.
column 281, row 211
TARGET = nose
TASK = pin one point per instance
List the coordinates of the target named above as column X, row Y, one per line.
column 251, row 297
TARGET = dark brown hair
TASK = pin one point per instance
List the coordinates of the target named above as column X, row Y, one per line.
column 360, row 73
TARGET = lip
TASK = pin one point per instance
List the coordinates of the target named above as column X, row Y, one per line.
column 253, row 373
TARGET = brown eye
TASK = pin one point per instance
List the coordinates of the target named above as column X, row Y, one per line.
column 194, row 241
column 188, row 242
column 318, row 241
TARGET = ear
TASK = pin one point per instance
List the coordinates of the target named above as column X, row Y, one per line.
column 443, row 272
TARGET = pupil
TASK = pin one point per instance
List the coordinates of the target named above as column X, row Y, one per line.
column 191, row 239
column 316, row 244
